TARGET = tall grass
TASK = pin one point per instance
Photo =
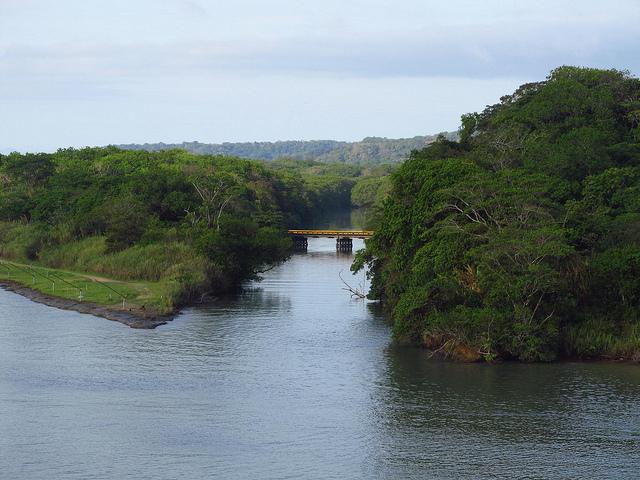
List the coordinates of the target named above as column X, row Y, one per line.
column 147, row 262
column 602, row 337
column 19, row 241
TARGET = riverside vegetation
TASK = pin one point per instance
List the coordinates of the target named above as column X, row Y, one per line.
column 156, row 229
column 522, row 239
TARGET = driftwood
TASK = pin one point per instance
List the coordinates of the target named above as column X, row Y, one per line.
column 205, row 296
column 355, row 292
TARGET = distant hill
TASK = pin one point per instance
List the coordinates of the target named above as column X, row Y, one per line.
column 371, row 150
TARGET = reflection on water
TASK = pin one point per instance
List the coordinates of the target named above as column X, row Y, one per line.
column 293, row 379
column 532, row 421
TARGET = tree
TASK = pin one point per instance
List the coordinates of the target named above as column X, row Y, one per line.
column 215, row 192
column 126, row 220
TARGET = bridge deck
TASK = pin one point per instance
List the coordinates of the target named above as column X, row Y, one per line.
column 332, row 233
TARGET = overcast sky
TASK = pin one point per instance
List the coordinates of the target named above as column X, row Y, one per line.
column 95, row 72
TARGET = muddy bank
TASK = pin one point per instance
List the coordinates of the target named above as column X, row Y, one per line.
column 131, row 318
column 462, row 353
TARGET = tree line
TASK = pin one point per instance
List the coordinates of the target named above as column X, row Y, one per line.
column 368, row 151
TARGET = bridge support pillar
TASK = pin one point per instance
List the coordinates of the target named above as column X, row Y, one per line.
column 300, row 243
column 344, row 244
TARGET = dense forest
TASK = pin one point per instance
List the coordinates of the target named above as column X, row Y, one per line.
column 193, row 224
column 522, row 239
column 337, row 186
column 371, row 150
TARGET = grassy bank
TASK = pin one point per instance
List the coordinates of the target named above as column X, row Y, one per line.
column 135, row 296
column 156, row 277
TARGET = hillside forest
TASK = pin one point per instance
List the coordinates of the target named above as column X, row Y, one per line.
column 369, row 151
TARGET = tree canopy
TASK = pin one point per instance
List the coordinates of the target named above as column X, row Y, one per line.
column 522, row 239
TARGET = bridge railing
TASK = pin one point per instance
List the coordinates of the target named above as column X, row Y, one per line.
column 332, row 233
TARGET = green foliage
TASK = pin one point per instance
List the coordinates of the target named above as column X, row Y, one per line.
column 331, row 187
column 370, row 191
column 240, row 245
column 152, row 262
column 513, row 240
column 19, row 241
column 193, row 224
column 329, row 193
column 126, row 220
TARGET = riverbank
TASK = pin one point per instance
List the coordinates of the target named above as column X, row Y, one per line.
column 618, row 351
column 134, row 316
column 137, row 304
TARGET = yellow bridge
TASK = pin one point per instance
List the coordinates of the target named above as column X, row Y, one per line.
column 333, row 233
column 344, row 238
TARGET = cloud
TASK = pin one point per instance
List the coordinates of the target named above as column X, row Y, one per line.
column 506, row 51
column 192, row 7
column 174, row 39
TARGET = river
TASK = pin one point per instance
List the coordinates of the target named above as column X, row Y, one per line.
column 293, row 379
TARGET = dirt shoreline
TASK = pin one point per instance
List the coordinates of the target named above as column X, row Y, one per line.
column 133, row 319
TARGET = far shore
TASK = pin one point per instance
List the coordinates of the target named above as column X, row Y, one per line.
column 134, row 318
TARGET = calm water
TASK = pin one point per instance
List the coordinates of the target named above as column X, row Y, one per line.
column 293, row 379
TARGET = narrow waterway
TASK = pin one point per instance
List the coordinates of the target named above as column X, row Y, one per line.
column 293, row 379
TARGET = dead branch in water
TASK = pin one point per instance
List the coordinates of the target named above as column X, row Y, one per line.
column 439, row 349
column 355, row 293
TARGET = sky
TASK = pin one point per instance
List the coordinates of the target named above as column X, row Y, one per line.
column 98, row 72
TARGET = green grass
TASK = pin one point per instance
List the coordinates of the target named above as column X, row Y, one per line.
column 151, row 262
column 161, row 276
column 18, row 240
column 155, row 296
column 603, row 337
